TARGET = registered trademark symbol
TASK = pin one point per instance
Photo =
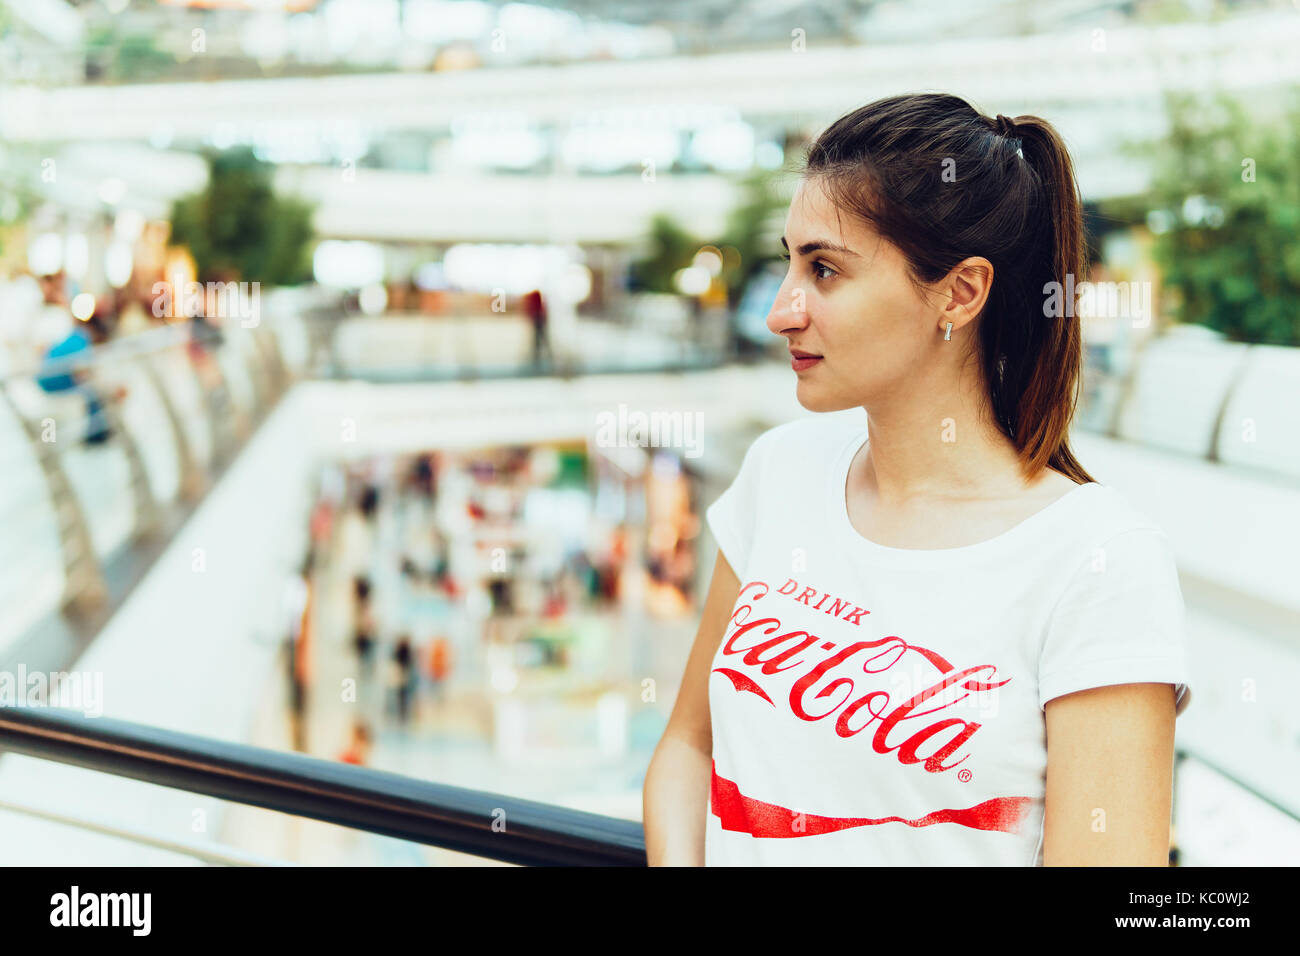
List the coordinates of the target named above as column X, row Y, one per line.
column 964, row 776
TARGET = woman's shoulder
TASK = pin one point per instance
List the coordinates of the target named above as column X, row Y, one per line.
column 1107, row 513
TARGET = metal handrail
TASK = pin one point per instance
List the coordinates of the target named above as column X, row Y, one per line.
column 148, row 342
column 523, row 370
column 476, row 822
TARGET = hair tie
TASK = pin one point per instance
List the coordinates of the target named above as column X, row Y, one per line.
column 1005, row 125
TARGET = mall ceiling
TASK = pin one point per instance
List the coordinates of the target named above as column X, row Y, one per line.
column 732, row 24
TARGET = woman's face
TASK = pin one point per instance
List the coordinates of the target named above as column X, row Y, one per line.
column 856, row 309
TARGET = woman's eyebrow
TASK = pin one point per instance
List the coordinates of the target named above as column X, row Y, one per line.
column 823, row 244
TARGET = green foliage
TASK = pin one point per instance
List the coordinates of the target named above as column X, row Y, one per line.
column 754, row 230
column 238, row 228
column 673, row 247
column 1229, row 252
column 125, row 57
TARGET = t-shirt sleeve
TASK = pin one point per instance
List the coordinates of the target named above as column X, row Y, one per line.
column 1121, row 620
column 731, row 517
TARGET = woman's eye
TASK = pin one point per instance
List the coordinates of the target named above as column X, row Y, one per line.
column 817, row 266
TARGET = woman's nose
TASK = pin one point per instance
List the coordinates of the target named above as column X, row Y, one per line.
column 788, row 311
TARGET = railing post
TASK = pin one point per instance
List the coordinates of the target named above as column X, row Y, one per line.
column 1239, row 373
column 84, row 587
column 190, row 481
column 142, row 497
column 203, row 358
column 250, row 355
column 272, row 361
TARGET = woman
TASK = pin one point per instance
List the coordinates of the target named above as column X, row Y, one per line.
column 931, row 637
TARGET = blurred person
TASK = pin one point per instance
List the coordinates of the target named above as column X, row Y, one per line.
column 99, row 326
column 439, row 665
column 58, row 373
column 535, row 308
column 297, row 605
column 357, row 545
column 554, row 603
column 619, row 544
column 586, row 573
column 1046, row 609
column 368, row 504
column 404, row 677
column 448, row 584
column 321, row 525
column 51, row 322
column 502, row 592
column 358, row 749
column 204, row 334
column 441, row 562
column 607, row 574
column 423, row 478
column 363, row 625
column 204, row 339
column 682, row 567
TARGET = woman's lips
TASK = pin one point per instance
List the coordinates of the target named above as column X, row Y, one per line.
column 799, row 364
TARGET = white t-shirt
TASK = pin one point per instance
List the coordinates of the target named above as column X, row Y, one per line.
column 884, row 706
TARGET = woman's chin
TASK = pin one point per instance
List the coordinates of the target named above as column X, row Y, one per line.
column 817, row 400
column 812, row 398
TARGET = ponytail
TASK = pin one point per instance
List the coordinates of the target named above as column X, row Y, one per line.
column 1045, row 404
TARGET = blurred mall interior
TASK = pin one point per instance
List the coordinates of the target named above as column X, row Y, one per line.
column 368, row 366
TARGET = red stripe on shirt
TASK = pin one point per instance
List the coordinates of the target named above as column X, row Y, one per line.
column 744, row 814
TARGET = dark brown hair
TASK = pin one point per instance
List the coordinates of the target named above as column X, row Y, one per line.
column 942, row 182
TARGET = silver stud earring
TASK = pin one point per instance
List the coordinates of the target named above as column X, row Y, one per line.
column 947, row 333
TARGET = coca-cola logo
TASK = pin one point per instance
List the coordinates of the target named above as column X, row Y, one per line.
column 899, row 727
column 896, row 720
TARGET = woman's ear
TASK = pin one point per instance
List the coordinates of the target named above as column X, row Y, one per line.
column 966, row 288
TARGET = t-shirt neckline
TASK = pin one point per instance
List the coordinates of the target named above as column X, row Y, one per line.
column 921, row 558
